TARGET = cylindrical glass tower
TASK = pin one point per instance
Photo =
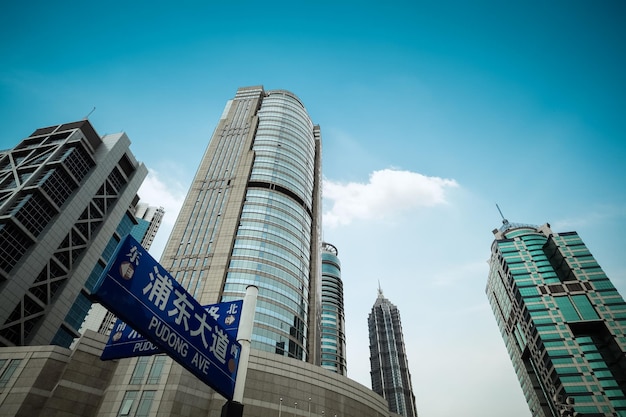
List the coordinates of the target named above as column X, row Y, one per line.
column 274, row 238
column 333, row 316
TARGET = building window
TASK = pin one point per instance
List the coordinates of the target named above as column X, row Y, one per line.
column 155, row 371
column 8, row 371
column 140, row 370
column 127, row 403
column 143, row 409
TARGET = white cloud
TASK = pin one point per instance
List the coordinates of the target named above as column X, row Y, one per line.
column 170, row 196
column 389, row 192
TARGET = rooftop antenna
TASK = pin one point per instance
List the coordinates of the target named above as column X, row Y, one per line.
column 89, row 114
column 504, row 221
column 380, row 290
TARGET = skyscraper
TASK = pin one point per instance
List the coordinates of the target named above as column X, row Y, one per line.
column 148, row 222
column 562, row 321
column 333, row 317
column 252, row 216
column 389, row 365
column 65, row 194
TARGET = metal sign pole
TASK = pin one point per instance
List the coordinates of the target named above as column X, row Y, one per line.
column 234, row 408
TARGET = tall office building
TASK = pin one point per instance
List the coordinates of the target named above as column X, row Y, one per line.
column 65, row 194
column 252, row 216
column 562, row 321
column 389, row 365
column 333, row 316
column 148, row 222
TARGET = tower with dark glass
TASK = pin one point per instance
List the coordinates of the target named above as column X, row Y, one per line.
column 389, row 365
column 333, row 316
column 65, row 200
column 562, row 321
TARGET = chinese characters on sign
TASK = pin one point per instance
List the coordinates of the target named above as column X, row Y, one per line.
column 125, row 342
column 141, row 293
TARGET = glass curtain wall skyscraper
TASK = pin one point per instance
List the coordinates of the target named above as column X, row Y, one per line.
column 333, row 316
column 562, row 322
column 251, row 216
column 389, row 365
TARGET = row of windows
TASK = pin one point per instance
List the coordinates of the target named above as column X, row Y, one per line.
column 295, row 213
column 280, row 312
column 281, row 202
column 284, row 295
column 276, row 153
column 286, row 240
column 282, row 180
column 34, row 212
column 297, row 127
column 284, row 222
column 265, row 258
column 257, row 268
column 269, row 251
column 331, row 271
column 279, row 105
column 58, row 185
column 293, row 145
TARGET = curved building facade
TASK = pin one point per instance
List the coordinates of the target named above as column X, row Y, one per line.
column 333, row 316
column 275, row 236
column 251, row 216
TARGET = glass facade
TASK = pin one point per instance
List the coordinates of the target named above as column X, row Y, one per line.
column 333, row 317
column 561, row 320
column 272, row 248
column 252, row 217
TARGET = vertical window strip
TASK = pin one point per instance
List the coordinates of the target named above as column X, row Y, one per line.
column 8, row 372
column 139, row 371
column 145, row 403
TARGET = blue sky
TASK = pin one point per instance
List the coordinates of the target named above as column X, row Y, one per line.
column 431, row 112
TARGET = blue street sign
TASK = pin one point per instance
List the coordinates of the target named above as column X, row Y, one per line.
column 125, row 342
column 141, row 293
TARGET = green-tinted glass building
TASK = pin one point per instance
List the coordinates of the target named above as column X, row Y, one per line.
column 562, row 321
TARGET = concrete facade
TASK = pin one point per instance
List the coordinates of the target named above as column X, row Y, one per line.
column 65, row 194
column 51, row 381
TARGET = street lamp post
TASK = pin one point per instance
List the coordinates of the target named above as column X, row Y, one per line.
column 280, row 406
